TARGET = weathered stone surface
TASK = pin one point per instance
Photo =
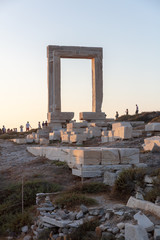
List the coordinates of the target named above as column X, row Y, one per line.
column 144, row 205
column 87, row 156
column 120, row 124
column 54, row 222
column 155, row 139
column 55, row 136
column 157, row 234
column 92, row 116
column 87, row 174
column 110, row 156
column 79, row 215
column 136, row 133
column 84, row 208
column 65, row 138
column 153, row 147
column 78, row 138
column 121, row 225
column 152, row 127
column 135, row 232
column 73, row 125
column 111, row 136
column 144, row 221
column 104, row 139
column 129, row 155
column 19, row 140
column 24, row 229
column 152, row 144
column 43, row 141
column 109, row 178
column 60, row 116
column 148, row 179
column 123, row 132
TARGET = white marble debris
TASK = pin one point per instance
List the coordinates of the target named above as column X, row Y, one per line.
column 135, row 232
column 144, row 221
column 144, row 205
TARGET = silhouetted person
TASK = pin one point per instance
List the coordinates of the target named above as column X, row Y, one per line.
column 127, row 111
column 3, row 129
column 43, row 124
column 46, row 124
column 21, row 128
column 137, row 110
column 117, row 115
column 39, row 125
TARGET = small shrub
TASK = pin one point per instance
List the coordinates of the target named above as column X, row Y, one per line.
column 15, row 222
column 127, row 180
column 153, row 194
column 11, row 202
column 74, row 199
column 59, row 163
column 94, row 187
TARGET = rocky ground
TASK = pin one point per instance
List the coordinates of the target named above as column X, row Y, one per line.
column 16, row 162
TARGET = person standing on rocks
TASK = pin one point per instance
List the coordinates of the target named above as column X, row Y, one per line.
column 39, row 125
column 3, row 129
column 117, row 115
column 137, row 109
column 127, row 111
column 21, row 128
column 43, row 124
column 27, row 126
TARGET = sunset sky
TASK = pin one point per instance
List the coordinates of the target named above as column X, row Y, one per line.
column 127, row 30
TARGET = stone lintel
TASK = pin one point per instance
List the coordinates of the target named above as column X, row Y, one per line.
column 92, row 116
column 73, row 52
column 60, row 116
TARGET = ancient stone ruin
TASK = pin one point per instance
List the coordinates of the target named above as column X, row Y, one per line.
column 54, row 54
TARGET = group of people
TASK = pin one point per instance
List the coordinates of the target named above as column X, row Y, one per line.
column 136, row 112
column 28, row 126
column 44, row 124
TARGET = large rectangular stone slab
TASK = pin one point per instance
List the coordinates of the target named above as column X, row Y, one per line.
column 152, row 127
column 86, row 174
column 92, row 116
column 123, row 132
column 129, row 155
column 87, row 156
column 120, row 124
column 110, row 156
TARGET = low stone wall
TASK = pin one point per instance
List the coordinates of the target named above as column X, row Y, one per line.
column 90, row 161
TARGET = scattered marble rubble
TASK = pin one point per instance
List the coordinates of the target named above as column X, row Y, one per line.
column 119, row 222
column 79, row 132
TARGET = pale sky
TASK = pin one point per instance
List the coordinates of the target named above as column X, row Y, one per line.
column 127, row 30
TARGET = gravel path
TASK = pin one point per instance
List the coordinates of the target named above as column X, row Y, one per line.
column 12, row 155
